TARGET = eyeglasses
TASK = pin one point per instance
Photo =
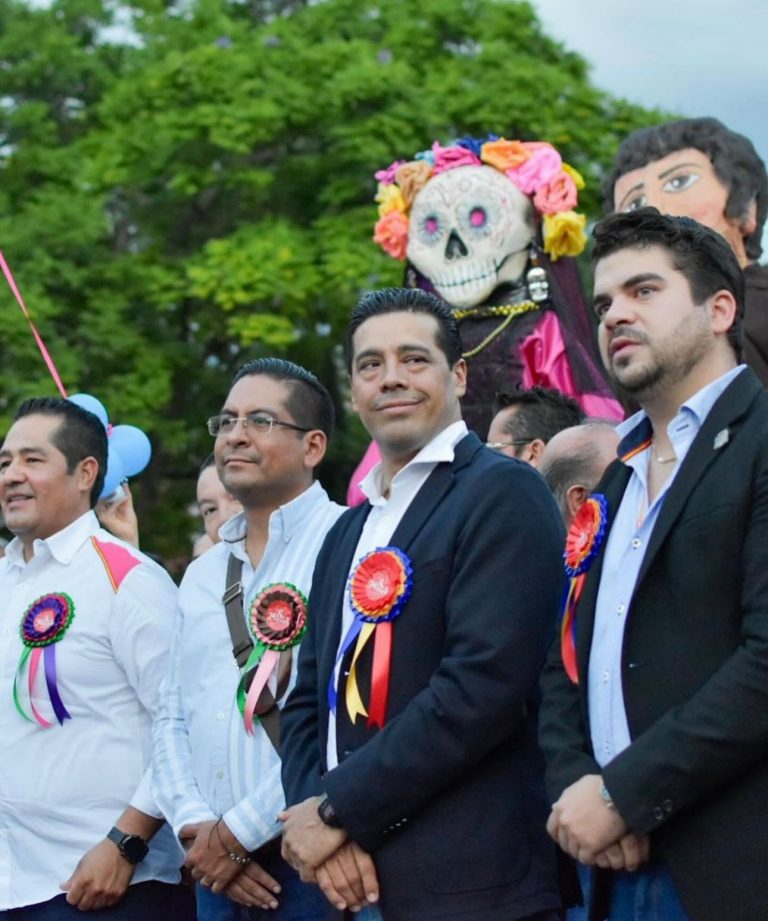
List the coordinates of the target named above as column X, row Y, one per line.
column 498, row 445
column 224, row 424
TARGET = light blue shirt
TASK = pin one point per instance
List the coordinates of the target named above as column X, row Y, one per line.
column 624, row 553
column 206, row 765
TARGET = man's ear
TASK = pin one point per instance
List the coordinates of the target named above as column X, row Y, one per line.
column 86, row 472
column 534, row 449
column 315, row 444
column 574, row 499
column 723, row 310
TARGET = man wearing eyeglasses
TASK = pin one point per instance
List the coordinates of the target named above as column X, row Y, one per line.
column 217, row 763
column 525, row 420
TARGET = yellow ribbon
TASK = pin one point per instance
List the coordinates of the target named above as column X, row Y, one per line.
column 355, row 704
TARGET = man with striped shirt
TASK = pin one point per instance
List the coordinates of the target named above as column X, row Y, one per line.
column 217, row 769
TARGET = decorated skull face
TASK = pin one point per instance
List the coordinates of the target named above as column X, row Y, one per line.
column 470, row 230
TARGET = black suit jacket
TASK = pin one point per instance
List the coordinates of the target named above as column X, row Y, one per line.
column 694, row 670
column 449, row 796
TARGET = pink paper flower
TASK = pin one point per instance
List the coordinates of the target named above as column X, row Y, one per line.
column 559, row 194
column 391, row 233
column 545, row 163
column 452, row 157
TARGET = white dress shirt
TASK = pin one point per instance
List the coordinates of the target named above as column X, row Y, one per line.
column 385, row 515
column 206, row 766
column 624, row 552
column 63, row 788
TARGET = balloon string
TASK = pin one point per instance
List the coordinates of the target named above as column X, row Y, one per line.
column 38, row 338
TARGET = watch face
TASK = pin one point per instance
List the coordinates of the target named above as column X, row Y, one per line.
column 134, row 848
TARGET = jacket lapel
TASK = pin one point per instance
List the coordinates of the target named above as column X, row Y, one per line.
column 431, row 494
column 713, row 438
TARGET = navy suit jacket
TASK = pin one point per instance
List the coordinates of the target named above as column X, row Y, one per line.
column 448, row 797
column 694, row 670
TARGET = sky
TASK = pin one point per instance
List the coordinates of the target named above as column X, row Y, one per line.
column 692, row 57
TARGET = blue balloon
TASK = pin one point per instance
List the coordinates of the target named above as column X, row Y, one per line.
column 86, row 401
column 115, row 473
column 133, row 447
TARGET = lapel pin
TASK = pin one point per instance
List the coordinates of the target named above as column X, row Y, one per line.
column 721, row 439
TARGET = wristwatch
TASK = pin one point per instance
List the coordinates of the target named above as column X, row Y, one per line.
column 133, row 847
column 327, row 813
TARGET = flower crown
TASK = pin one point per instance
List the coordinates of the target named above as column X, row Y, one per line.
column 534, row 167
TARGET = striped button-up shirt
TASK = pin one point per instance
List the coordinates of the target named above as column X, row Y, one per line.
column 205, row 764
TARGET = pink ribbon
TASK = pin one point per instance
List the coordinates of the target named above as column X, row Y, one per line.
column 266, row 666
column 38, row 338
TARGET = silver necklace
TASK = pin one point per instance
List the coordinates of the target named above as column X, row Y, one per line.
column 661, row 460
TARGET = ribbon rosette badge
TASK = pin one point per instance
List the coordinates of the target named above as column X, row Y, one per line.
column 277, row 618
column 43, row 624
column 379, row 587
column 585, row 538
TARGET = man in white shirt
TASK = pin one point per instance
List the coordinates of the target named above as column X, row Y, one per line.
column 217, row 770
column 87, row 628
column 655, row 710
column 410, row 765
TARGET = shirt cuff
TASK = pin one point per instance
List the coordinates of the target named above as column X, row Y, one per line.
column 143, row 800
column 251, row 829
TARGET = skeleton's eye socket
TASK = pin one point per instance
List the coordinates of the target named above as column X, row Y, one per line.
column 478, row 217
column 429, row 229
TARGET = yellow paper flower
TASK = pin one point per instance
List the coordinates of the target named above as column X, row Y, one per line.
column 564, row 234
column 575, row 175
column 390, row 198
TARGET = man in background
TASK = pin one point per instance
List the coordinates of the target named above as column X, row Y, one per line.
column 573, row 462
column 525, row 420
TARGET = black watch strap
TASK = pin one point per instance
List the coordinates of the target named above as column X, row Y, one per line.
column 327, row 813
column 132, row 847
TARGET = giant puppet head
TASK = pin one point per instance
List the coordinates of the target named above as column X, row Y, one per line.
column 466, row 216
column 695, row 168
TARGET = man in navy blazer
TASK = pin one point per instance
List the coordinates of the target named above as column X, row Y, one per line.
column 655, row 709
column 410, row 759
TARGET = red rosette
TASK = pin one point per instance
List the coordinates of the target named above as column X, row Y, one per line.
column 380, row 585
column 278, row 615
column 586, row 535
column 46, row 620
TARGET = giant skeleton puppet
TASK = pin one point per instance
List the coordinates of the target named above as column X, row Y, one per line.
column 485, row 224
column 698, row 168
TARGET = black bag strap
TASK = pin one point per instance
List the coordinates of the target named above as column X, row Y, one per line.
column 242, row 644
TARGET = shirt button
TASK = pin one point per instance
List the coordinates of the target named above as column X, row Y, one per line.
column 637, row 543
column 620, row 609
column 219, row 716
column 607, row 748
column 219, row 775
column 606, row 676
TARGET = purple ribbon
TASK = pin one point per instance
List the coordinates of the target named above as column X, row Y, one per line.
column 49, row 660
column 349, row 639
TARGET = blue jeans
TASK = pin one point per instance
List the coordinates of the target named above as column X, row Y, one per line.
column 647, row 894
column 297, row 901
column 369, row 913
column 150, row 901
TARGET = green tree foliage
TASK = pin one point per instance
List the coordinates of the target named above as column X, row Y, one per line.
column 186, row 186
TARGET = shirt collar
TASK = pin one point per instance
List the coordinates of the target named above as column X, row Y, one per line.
column 62, row 545
column 636, row 432
column 284, row 521
column 441, row 449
